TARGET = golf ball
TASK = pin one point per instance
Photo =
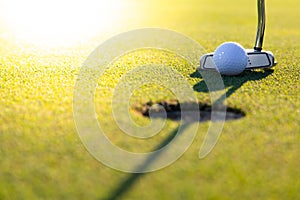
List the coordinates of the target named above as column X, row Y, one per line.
column 230, row 58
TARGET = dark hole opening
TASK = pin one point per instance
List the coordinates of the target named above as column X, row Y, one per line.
column 173, row 110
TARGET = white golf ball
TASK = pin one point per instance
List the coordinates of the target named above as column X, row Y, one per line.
column 230, row 58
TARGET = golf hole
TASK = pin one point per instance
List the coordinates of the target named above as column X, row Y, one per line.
column 173, row 111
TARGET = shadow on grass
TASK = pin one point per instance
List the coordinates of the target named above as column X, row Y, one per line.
column 124, row 186
column 231, row 82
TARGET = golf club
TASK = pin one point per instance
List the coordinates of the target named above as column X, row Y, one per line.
column 256, row 57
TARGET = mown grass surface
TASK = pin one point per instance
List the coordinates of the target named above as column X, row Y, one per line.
column 257, row 157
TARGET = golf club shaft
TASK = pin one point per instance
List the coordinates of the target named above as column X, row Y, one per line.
column 261, row 25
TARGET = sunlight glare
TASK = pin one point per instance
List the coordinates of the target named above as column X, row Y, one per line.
column 55, row 22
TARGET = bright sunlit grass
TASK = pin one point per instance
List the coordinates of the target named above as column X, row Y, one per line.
column 58, row 22
column 41, row 154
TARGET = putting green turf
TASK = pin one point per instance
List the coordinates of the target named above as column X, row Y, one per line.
column 256, row 157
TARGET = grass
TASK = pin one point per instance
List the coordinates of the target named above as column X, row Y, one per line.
column 257, row 157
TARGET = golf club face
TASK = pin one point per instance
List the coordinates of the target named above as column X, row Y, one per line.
column 256, row 59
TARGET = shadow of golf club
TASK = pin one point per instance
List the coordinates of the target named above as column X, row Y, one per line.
column 231, row 82
column 234, row 82
column 128, row 182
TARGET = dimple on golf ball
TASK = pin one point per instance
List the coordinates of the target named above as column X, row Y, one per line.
column 230, row 58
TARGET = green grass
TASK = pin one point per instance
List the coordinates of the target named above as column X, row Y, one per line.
column 257, row 157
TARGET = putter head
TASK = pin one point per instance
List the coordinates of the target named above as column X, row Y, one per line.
column 256, row 59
